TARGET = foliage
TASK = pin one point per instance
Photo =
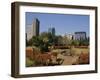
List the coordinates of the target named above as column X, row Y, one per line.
column 75, row 42
column 80, row 42
column 29, row 62
column 29, row 43
column 84, row 43
column 43, row 41
column 46, row 40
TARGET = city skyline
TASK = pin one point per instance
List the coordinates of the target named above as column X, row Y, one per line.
column 62, row 23
column 56, row 39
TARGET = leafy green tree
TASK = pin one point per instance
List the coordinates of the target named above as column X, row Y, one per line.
column 29, row 43
column 59, row 40
column 75, row 43
column 43, row 42
column 84, row 42
column 36, row 41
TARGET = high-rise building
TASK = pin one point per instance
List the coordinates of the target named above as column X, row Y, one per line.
column 33, row 29
column 80, row 35
column 52, row 30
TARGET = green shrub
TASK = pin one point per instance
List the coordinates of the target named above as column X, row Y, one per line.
column 29, row 62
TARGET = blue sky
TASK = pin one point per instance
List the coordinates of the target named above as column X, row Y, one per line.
column 63, row 23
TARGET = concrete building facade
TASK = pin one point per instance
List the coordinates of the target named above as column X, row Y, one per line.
column 69, row 36
column 33, row 29
column 80, row 35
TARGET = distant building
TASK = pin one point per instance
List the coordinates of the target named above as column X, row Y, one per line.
column 33, row 29
column 69, row 36
column 52, row 30
column 80, row 35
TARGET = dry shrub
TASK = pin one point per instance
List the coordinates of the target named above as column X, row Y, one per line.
column 29, row 53
column 84, row 58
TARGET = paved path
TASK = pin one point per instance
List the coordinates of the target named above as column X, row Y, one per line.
column 68, row 60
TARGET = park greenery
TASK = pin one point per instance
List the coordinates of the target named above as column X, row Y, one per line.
column 46, row 40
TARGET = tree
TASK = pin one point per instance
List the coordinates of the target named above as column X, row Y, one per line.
column 29, row 43
column 59, row 40
column 36, row 41
column 43, row 41
column 75, row 43
column 84, row 42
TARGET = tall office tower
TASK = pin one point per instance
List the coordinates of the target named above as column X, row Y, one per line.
column 52, row 30
column 80, row 35
column 33, row 29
